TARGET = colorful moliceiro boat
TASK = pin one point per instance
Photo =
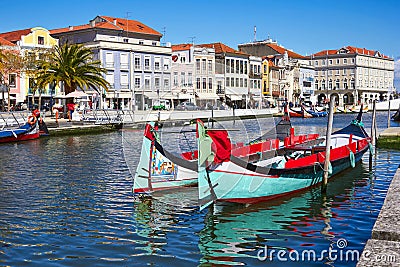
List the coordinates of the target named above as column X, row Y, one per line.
column 293, row 169
column 28, row 131
column 159, row 169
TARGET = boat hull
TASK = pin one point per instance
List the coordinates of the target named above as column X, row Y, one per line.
column 262, row 188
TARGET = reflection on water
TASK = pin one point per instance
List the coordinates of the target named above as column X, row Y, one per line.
column 68, row 201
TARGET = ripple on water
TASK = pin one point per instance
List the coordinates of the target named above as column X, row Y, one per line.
column 67, row 201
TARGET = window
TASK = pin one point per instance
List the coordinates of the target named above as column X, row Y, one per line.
column 124, row 80
column 154, row 43
column 210, row 81
column 210, row 67
column 345, row 61
column 237, row 66
column 219, row 87
column 323, row 84
column 353, row 85
column 147, row 83
column 125, row 40
column 183, row 78
column 166, row 84
column 345, row 83
column 109, row 59
column 198, row 65
column 330, row 84
column 175, row 78
column 232, row 66
column 237, row 82
column 316, row 63
column 183, row 59
column 166, row 64
column 245, row 82
column 198, row 83
column 124, row 60
column 337, row 84
column 137, row 62
column 137, row 82
column 12, row 80
column 40, row 40
column 227, row 84
column 232, row 82
column 330, row 61
column 110, row 79
column 241, row 82
column 141, row 42
column 157, row 82
column 337, row 61
column 190, row 79
column 203, row 65
column 316, row 84
column 204, row 83
column 147, row 63
column 157, row 63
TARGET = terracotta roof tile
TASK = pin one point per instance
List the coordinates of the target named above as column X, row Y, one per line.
column 221, row 48
column 6, row 42
column 113, row 24
column 181, row 47
column 281, row 50
column 15, row 36
column 352, row 50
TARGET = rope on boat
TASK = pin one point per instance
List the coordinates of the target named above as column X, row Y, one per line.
column 357, row 123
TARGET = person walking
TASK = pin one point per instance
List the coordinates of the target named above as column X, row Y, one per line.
column 71, row 109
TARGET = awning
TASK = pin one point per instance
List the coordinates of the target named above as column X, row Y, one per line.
column 236, row 91
column 235, row 97
column 151, row 95
column 185, row 96
column 207, row 96
column 168, row 96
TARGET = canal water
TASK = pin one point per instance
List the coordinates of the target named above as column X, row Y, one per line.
column 67, row 201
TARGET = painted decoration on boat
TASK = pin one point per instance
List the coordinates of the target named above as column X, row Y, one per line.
column 161, row 166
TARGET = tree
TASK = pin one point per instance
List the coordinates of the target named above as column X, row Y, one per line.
column 73, row 65
column 11, row 62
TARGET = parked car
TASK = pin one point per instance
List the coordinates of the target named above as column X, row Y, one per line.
column 162, row 104
column 187, row 106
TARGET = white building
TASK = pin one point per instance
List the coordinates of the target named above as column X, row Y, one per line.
column 354, row 75
column 138, row 66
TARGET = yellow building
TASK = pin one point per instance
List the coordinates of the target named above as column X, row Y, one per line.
column 31, row 42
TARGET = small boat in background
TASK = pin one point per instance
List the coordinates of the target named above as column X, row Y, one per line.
column 27, row 131
column 396, row 116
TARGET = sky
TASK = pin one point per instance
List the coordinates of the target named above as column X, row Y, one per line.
column 306, row 27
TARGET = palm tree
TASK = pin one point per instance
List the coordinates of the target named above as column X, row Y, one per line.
column 74, row 66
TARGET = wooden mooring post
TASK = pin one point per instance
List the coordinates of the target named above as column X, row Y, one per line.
column 328, row 144
column 388, row 120
column 373, row 133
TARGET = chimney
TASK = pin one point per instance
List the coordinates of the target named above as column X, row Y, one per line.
column 115, row 21
column 71, row 28
column 92, row 23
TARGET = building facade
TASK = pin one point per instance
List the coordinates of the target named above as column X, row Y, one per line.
column 138, row 66
column 287, row 63
column 231, row 67
column 32, row 43
column 255, row 78
column 354, row 75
